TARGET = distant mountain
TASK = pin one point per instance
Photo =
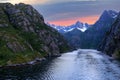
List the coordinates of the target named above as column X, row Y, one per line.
column 94, row 34
column 74, row 38
column 63, row 29
column 111, row 42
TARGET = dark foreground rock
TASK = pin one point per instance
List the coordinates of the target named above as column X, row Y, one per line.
column 111, row 43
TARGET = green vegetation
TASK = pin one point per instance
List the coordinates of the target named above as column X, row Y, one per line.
column 24, row 36
column 8, row 56
column 116, row 54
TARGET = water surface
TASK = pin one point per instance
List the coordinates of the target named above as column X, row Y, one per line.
column 82, row 64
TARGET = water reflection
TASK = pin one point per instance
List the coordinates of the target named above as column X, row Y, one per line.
column 76, row 65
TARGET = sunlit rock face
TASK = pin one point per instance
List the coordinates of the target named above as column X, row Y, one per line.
column 24, row 36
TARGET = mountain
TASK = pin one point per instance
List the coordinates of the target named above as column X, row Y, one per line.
column 94, row 34
column 74, row 38
column 64, row 29
column 111, row 42
column 24, row 37
column 106, row 19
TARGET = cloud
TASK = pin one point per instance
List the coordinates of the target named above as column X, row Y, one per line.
column 61, row 10
column 4, row 0
column 26, row 1
column 40, row 1
column 65, row 22
column 76, row 9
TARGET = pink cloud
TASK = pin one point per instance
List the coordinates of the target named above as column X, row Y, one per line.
column 88, row 19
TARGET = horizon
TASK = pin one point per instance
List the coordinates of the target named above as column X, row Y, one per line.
column 65, row 13
column 89, row 20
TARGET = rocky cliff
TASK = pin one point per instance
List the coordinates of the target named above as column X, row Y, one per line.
column 24, row 36
column 111, row 43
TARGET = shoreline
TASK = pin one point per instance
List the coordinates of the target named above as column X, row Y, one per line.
column 32, row 63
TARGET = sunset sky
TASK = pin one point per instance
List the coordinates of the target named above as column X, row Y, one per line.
column 67, row 12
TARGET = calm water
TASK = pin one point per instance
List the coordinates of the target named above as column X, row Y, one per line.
column 82, row 64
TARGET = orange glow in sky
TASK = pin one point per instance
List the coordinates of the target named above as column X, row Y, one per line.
column 88, row 19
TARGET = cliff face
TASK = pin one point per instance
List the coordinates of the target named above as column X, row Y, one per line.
column 24, row 36
column 111, row 43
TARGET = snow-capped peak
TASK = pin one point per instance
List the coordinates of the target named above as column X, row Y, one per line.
column 78, row 25
column 82, row 29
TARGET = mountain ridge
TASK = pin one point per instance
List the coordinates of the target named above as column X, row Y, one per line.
column 91, row 37
column 25, row 37
column 64, row 29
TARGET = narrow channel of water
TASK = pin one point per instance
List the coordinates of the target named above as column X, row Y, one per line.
column 82, row 64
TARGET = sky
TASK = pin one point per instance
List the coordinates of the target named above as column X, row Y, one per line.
column 67, row 12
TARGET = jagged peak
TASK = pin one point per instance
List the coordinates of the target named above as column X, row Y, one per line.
column 78, row 22
column 107, row 15
column 110, row 13
column 119, row 15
